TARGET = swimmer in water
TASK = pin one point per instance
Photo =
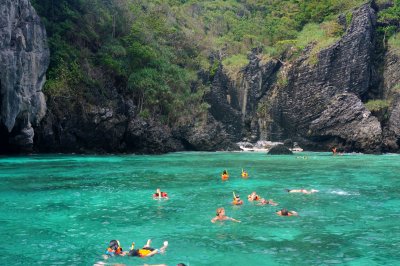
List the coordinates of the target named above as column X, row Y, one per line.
column 160, row 195
column 236, row 199
column 245, row 174
column 146, row 250
column 265, row 202
column 222, row 217
column 304, row 191
column 253, row 197
column 285, row 212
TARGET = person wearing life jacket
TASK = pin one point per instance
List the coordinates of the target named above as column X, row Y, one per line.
column 236, row 199
column 285, row 212
column 222, row 217
column 146, row 250
column 245, row 174
column 253, row 197
column 225, row 175
column 114, row 249
column 160, row 194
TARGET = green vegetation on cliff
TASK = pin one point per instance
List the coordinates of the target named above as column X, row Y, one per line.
column 154, row 50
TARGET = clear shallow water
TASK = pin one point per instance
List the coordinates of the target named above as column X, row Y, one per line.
column 63, row 210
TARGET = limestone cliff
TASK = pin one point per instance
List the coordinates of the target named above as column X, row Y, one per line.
column 321, row 104
column 24, row 58
column 311, row 97
column 318, row 103
column 391, row 92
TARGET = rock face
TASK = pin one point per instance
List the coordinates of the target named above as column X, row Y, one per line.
column 313, row 103
column 209, row 137
column 107, row 125
column 24, row 58
column 391, row 89
column 234, row 103
column 318, row 104
column 111, row 124
column 224, row 102
column 347, row 118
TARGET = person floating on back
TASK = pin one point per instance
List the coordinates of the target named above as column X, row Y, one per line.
column 304, row 191
column 285, row 212
column 244, row 174
column 160, row 195
column 236, row 199
column 222, row 217
column 146, row 250
column 225, row 175
column 265, row 202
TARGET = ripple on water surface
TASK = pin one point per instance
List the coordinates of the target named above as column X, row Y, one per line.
column 74, row 205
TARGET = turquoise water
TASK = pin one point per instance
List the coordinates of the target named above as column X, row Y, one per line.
column 63, row 210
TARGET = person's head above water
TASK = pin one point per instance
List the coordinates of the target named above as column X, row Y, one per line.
column 114, row 244
column 284, row 212
column 220, row 211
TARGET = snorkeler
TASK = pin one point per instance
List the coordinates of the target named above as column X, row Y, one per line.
column 225, row 175
column 146, row 251
column 114, row 249
column 265, row 202
column 304, row 191
column 285, row 212
column 244, row 174
column 253, row 197
column 222, row 217
column 236, row 199
column 160, row 195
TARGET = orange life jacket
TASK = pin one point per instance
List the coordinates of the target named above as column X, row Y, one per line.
column 237, row 202
column 224, row 176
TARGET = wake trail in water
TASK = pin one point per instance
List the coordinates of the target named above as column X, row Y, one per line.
column 343, row 193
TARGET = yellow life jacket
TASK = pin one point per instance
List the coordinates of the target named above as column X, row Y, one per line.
column 144, row 252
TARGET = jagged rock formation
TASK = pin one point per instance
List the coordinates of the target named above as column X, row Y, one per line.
column 224, row 102
column 24, row 58
column 321, row 104
column 391, row 89
column 316, row 104
column 209, row 137
column 347, row 118
column 111, row 124
column 313, row 104
column 234, row 103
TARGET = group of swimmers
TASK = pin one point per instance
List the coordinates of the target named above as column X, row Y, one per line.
column 253, row 197
column 115, row 249
column 220, row 213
